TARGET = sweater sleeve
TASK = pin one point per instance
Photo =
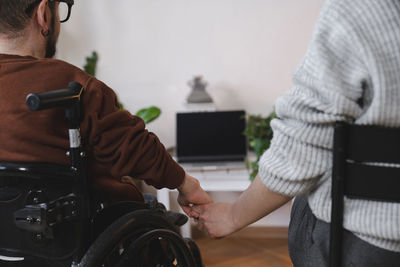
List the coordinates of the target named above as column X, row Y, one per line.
column 119, row 143
column 329, row 86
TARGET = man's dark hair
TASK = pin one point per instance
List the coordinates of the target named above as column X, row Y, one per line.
column 15, row 15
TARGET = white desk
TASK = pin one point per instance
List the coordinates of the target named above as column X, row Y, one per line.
column 230, row 180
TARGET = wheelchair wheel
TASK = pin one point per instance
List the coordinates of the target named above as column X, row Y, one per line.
column 140, row 238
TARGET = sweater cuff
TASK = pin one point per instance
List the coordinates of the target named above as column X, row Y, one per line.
column 178, row 174
column 171, row 179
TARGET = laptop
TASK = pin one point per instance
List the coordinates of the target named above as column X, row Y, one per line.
column 211, row 140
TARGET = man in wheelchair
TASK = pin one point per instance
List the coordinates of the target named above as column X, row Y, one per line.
column 112, row 144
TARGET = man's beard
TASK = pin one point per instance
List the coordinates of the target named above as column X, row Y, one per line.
column 52, row 38
column 51, row 45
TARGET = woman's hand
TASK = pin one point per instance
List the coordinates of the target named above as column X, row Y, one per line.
column 221, row 219
column 215, row 219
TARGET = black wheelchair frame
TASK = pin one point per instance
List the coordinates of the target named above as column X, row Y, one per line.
column 52, row 218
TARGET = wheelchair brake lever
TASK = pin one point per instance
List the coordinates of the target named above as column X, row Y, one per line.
column 32, row 218
column 41, row 218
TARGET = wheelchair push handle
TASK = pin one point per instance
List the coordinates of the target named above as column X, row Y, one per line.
column 55, row 98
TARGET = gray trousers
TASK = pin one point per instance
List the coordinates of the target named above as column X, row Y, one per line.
column 309, row 243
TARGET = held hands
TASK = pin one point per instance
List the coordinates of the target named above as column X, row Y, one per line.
column 221, row 219
column 190, row 193
column 215, row 219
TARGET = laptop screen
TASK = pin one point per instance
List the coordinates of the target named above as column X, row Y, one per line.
column 211, row 136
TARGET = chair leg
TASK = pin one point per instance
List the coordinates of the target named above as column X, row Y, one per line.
column 338, row 171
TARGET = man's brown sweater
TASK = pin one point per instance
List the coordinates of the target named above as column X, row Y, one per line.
column 116, row 142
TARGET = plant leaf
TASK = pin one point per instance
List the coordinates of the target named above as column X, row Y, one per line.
column 259, row 133
column 91, row 63
column 149, row 114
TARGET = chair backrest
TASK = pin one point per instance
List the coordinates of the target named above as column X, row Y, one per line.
column 45, row 207
column 366, row 165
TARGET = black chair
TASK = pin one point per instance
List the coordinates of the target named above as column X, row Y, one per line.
column 50, row 216
column 359, row 171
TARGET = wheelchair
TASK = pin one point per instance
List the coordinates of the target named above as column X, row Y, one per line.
column 51, row 217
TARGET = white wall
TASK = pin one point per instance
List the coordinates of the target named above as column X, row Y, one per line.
column 149, row 49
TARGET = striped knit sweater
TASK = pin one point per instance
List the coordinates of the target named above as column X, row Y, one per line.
column 351, row 72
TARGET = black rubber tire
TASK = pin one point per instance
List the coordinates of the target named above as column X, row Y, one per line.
column 195, row 252
column 131, row 225
column 174, row 242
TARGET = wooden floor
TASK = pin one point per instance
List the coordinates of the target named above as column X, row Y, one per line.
column 251, row 247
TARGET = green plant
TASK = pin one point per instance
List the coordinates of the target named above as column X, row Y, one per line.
column 91, row 63
column 259, row 133
column 147, row 114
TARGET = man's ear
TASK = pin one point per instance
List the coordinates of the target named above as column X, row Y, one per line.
column 42, row 15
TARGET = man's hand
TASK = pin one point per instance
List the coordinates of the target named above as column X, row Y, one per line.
column 215, row 219
column 190, row 193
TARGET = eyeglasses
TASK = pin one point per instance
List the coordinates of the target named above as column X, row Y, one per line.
column 64, row 9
